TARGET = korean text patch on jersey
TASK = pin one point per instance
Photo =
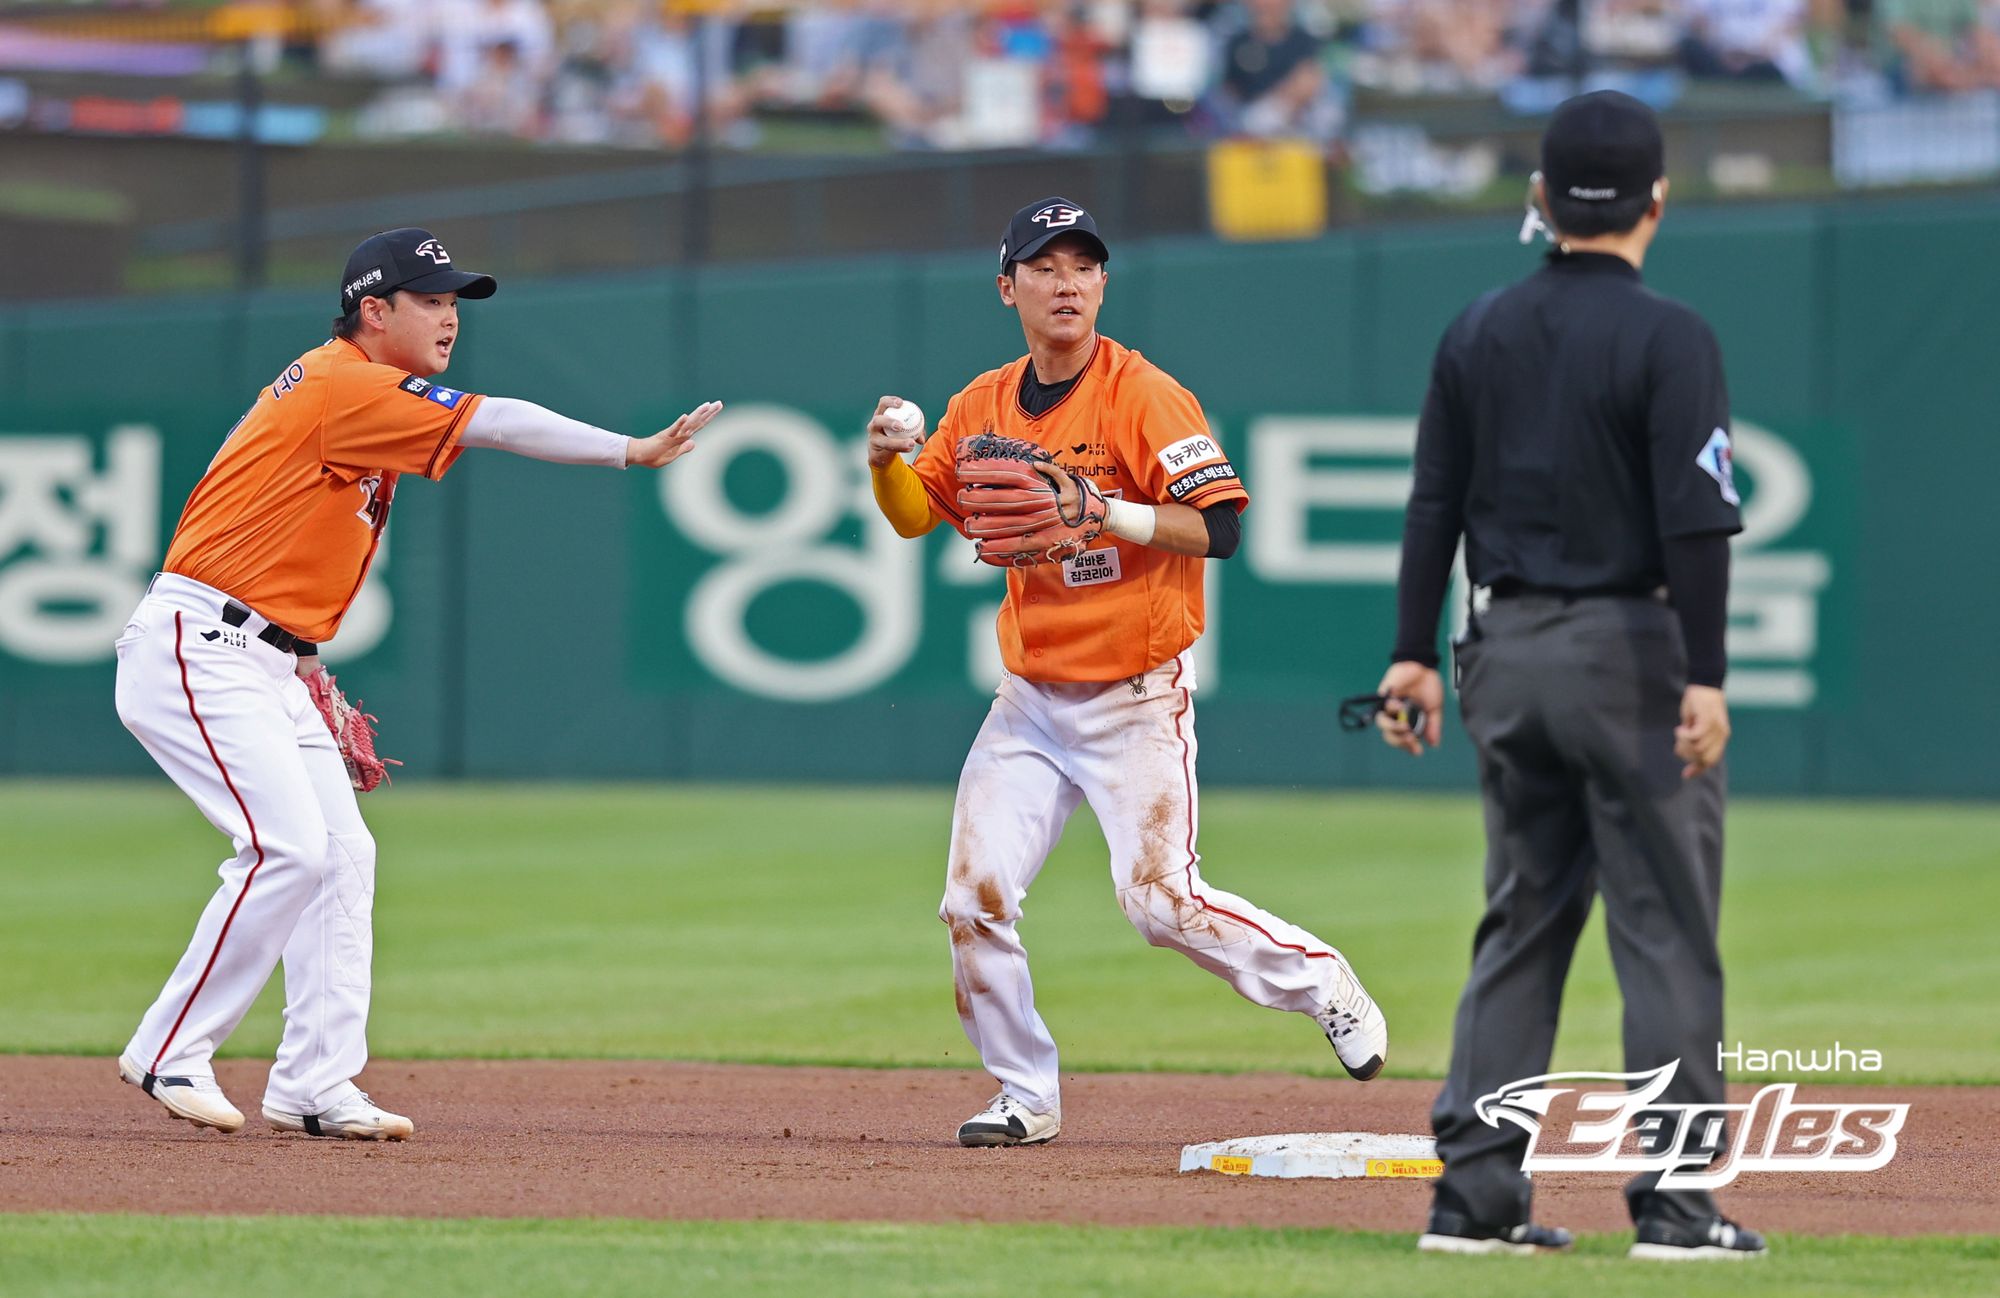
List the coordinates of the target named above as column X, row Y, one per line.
column 1091, row 568
column 1190, row 451
column 1205, row 476
column 415, row 386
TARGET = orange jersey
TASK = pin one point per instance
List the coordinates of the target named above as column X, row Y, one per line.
column 1117, row 609
column 289, row 513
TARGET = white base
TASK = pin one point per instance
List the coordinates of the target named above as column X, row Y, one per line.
column 1327, row 1154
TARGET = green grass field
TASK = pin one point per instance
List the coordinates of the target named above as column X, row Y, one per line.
column 783, row 925
column 800, row 925
column 82, row 1257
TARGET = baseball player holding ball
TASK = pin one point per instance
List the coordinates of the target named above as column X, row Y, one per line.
column 219, row 677
column 1092, row 477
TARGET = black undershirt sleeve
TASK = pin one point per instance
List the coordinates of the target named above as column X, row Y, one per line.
column 1225, row 528
column 1698, row 581
column 1434, row 520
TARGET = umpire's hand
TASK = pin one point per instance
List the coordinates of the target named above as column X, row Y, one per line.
column 1704, row 729
column 1422, row 686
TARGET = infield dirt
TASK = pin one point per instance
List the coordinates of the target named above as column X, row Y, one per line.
column 665, row 1140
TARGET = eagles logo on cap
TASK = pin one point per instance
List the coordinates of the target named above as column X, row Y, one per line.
column 1038, row 223
column 409, row 258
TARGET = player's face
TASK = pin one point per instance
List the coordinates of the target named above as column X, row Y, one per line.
column 419, row 331
column 1057, row 293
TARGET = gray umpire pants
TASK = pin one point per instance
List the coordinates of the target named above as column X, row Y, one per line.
column 1571, row 704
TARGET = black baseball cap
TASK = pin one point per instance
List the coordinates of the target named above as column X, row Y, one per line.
column 408, row 258
column 1602, row 147
column 1037, row 223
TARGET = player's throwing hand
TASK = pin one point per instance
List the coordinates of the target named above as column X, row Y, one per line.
column 673, row 441
column 897, row 428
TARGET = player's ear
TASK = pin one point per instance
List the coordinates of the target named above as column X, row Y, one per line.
column 1659, row 205
column 1005, row 283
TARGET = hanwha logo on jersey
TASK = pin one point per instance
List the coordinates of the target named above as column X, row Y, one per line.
column 435, row 251
column 1057, row 215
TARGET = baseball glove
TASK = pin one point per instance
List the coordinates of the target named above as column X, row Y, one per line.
column 1010, row 492
column 353, row 732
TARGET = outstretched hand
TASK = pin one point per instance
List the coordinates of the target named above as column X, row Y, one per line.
column 671, row 442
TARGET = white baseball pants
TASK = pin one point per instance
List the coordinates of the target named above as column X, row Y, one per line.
column 1129, row 749
column 229, row 721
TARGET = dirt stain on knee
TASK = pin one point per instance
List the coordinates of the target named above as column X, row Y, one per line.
column 990, row 903
column 1158, row 870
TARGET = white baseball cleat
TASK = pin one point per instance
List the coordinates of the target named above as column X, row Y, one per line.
column 191, row 1099
column 355, row 1118
column 1006, row 1121
column 1354, row 1025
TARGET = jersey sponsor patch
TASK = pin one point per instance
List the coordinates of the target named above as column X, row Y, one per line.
column 446, row 397
column 1716, row 461
column 1190, row 451
column 415, row 386
column 1092, row 568
column 1205, row 476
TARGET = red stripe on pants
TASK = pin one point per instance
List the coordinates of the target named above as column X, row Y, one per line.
column 255, row 845
column 1187, row 773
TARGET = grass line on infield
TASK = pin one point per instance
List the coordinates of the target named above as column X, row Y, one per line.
column 115, row 1256
column 799, row 925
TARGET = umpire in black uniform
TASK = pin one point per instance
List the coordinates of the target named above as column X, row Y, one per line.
column 1576, row 434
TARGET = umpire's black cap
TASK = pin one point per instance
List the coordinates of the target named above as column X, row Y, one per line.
column 408, row 258
column 1602, row 147
column 1037, row 223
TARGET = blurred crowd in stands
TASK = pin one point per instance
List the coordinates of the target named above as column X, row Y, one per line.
column 945, row 74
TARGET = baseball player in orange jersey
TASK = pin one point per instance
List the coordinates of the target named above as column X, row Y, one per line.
column 218, row 674
column 1097, row 701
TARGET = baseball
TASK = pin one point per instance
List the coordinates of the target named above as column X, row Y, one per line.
column 907, row 418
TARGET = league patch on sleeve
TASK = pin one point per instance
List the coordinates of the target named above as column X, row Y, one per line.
column 446, row 397
column 1205, row 476
column 1716, row 461
column 1190, row 451
column 415, row 386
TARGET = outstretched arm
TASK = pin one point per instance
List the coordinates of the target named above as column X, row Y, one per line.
column 524, row 428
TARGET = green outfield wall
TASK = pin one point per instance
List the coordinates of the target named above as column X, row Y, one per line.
column 746, row 614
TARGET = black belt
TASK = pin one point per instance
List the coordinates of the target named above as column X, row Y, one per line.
column 272, row 634
column 1508, row 587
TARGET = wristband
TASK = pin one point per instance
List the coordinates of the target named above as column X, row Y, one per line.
column 1130, row 520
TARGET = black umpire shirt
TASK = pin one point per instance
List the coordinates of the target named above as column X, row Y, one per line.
column 1577, row 433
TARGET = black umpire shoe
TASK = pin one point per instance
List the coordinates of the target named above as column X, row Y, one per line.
column 1715, row 1239
column 1452, row 1232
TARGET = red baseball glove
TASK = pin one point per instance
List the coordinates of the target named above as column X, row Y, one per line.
column 353, row 732
column 1010, row 492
